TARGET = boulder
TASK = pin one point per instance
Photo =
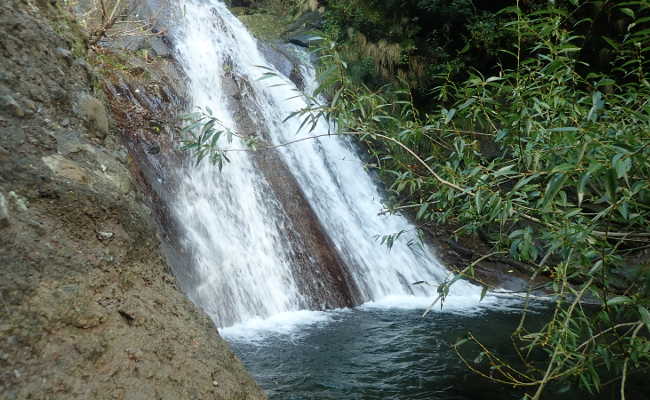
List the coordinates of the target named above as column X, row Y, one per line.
column 9, row 104
column 4, row 212
column 93, row 112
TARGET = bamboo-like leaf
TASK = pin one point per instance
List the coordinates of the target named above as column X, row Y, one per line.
column 645, row 316
column 619, row 300
column 554, row 186
column 336, row 97
column 428, row 309
column 483, row 293
column 610, row 185
column 507, row 170
column 524, row 181
column 627, row 11
column 584, row 180
column 422, row 210
column 450, row 115
column 478, row 202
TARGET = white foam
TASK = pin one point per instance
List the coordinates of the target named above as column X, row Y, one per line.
column 291, row 325
column 466, row 303
column 287, row 324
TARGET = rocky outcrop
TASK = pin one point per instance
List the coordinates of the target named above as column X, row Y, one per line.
column 89, row 308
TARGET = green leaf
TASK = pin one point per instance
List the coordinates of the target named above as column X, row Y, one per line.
column 610, row 185
column 554, row 185
column 507, row 170
column 483, row 292
column 516, row 234
column 422, row 210
column 450, row 115
column 191, row 127
column 606, row 82
column 597, row 104
column 522, row 182
column 336, row 97
column 597, row 267
column 619, row 300
column 611, row 42
column 623, row 209
column 645, row 316
column 584, row 180
column 466, row 104
column 627, row 11
column 622, row 165
column 564, row 167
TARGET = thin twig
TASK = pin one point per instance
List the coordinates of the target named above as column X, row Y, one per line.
column 599, row 334
column 627, row 359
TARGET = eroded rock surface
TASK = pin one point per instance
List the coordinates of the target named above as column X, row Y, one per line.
column 88, row 307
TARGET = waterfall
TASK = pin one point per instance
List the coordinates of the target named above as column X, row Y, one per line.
column 250, row 258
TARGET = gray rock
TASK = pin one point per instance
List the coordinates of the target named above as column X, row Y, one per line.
column 13, row 136
column 93, row 112
column 309, row 21
column 297, row 78
column 65, row 54
column 122, row 156
column 30, row 108
column 36, row 92
column 105, row 235
column 84, row 313
column 67, row 169
column 69, row 142
column 129, row 42
column 20, row 202
column 10, row 104
column 112, row 172
column 153, row 149
column 158, row 46
column 303, row 40
column 4, row 76
column 83, row 64
column 91, row 74
column 4, row 212
column 279, row 60
column 58, row 94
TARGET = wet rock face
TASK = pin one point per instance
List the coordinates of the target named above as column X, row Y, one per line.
column 89, row 310
column 321, row 275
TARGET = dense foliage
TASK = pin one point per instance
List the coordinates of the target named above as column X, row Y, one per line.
column 423, row 41
column 541, row 153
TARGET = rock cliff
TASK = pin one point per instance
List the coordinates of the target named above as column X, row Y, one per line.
column 89, row 308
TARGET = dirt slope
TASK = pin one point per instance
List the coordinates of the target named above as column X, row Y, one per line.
column 88, row 309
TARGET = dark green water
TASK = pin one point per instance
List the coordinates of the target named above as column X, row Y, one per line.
column 390, row 353
column 377, row 353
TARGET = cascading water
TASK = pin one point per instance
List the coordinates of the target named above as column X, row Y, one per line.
column 235, row 225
